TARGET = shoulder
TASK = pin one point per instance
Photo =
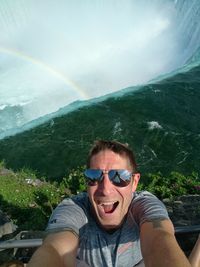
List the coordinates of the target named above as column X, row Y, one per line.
column 144, row 197
column 78, row 204
column 71, row 213
column 142, row 194
column 147, row 207
column 81, row 200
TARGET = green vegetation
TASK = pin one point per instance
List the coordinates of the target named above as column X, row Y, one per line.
column 29, row 201
column 174, row 185
column 26, row 200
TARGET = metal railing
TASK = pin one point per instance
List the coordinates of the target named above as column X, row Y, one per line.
column 187, row 229
column 21, row 243
column 36, row 242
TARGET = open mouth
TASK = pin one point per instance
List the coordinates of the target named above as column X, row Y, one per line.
column 109, row 207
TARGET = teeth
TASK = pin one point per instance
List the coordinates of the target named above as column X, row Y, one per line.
column 107, row 203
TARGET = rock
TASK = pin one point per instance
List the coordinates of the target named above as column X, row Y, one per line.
column 166, row 201
column 185, row 211
column 5, row 171
column 189, row 198
column 6, row 225
column 34, row 182
column 177, row 202
column 7, row 228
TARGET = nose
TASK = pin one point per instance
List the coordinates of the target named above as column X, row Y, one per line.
column 105, row 186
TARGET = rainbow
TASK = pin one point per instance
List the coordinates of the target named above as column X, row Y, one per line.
column 47, row 67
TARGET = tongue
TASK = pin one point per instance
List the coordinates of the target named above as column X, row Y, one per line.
column 109, row 208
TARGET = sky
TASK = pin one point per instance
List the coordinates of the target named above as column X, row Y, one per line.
column 55, row 52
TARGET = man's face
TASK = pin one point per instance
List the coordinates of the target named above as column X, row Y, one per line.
column 110, row 203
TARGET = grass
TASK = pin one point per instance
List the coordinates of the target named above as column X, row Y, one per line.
column 29, row 206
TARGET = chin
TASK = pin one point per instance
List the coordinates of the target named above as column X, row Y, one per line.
column 110, row 226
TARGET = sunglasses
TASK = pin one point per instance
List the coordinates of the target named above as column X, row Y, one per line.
column 120, row 178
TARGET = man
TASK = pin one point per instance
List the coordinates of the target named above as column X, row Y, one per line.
column 111, row 225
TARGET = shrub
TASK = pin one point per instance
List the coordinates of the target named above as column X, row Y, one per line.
column 75, row 181
column 176, row 184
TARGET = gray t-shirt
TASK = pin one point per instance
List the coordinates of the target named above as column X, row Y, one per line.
column 98, row 247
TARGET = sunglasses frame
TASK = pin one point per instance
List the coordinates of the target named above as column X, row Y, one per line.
column 116, row 178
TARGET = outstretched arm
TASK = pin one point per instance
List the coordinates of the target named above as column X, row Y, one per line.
column 159, row 245
column 194, row 257
column 58, row 249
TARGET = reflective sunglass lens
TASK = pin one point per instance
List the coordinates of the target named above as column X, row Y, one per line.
column 119, row 178
column 125, row 175
column 93, row 174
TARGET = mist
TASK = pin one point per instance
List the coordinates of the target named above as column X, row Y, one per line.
column 53, row 53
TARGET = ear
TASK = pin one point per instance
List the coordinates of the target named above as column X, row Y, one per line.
column 136, row 178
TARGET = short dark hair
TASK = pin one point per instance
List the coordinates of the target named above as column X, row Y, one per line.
column 116, row 147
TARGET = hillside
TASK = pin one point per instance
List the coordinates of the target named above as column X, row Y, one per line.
column 159, row 121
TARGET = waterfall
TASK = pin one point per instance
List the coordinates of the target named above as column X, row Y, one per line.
column 52, row 54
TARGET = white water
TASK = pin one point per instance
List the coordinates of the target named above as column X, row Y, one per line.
column 56, row 52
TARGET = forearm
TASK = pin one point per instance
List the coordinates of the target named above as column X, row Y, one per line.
column 58, row 250
column 45, row 257
column 194, row 257
column 166, row 252
column 159, row 246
